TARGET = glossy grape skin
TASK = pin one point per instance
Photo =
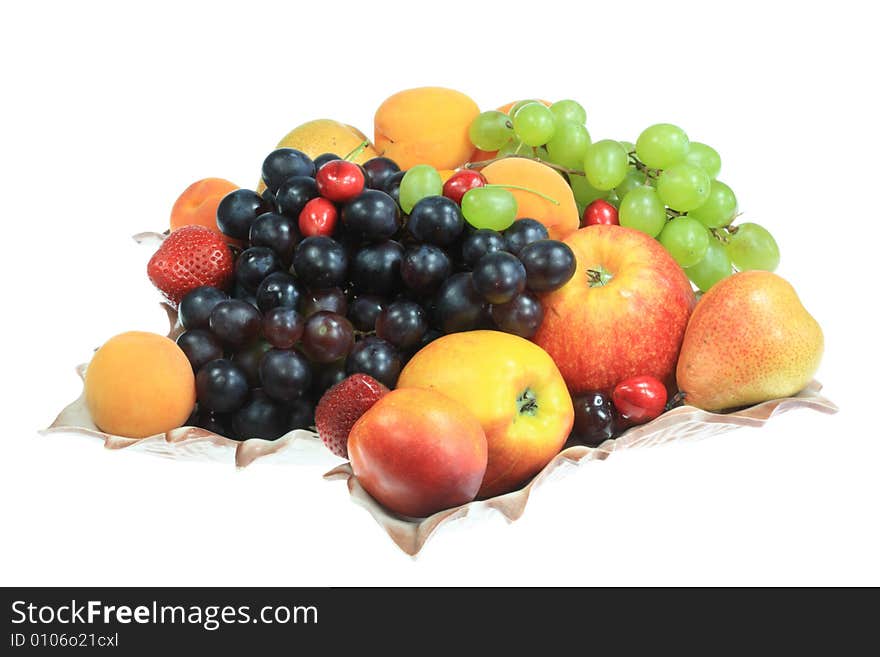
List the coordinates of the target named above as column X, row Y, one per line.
column 371, row 216
column 235, row 322
column 243, row 294
column 375, row 269
column 403, row 323
column 524, row 231
column 283, row 327
column 683, row 187
column 320, row 262
column 218, row 423
column 285, row 374
column 634, row 178
column 294, row 193
column 594, row 420
column 605, row 164
column 424, row 268
column 200, row 346
column 751, row 246
column 569, row 110
column 569, row 144
column 436, row 220
column 255, row 264
column 686, row 240
column 520, row 316
column 534, row 124
column 418, row 182
column 278, row 289
column 325, row 377
column 489, row 207
column 195, row 308
column 284, row 163
column 377, row 358
column 549, row 265
column 662, row 145
column 248, row 359
column 332, row 299
column 363, row 312
column 714, row 266
column 704, row 157
column 301, row 414
column 490, row 130
column 392, row 186
column 221, row 386
column 261, row 417
column 643, row 210
column 238, row 210
column 324, row 158
column 275, row 231
column 458, row 306
column 719, row 209
column 378, row 170
column 498, row 277
column 327, row 337
column 480, row 242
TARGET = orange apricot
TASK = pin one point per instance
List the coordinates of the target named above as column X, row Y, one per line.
column 139, row 384
column 197, row 205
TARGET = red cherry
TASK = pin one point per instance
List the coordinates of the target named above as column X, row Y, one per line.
column 600, row 212
column 462, row 181
column 340, row 181
column 639, row 399
column 318, row 217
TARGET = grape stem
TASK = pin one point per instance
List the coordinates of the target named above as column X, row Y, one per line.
column 641, row 166
column 484, row 163
column 525, row 189
column 357, row 151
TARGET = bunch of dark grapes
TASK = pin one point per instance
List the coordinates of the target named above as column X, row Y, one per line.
column 333, row 278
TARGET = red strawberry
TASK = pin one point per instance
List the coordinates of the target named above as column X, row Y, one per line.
column 189, row 257
column 342, row 406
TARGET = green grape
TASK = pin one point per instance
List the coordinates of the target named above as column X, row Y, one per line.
column 752, row 247
column 417, row 183
column 705, row 157
column 534, row 124
column 684, row 187
column 634, row 178
column 628, row 146
column 719, row 208
column 516, row 106
column 605, row 164
column 584, row 192
column 569, row 110
column 569, row 144
column 489, row 207
column 662, row 145
column 516, row 147
column 686, row 239
column 643, row 210
column 490, row 130
column 714, row 266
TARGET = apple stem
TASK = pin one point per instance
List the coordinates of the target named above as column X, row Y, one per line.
column 527, row 403
column 357, row 151
column 525, row 189
column 598, row 276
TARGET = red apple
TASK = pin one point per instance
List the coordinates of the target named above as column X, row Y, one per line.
column 417, row 452
column 622, row 314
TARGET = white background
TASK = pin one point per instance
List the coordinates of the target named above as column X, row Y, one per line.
column 109, row 112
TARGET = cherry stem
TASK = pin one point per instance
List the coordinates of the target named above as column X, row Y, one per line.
column 484, row 163
column 524, row 189
column 357, row 151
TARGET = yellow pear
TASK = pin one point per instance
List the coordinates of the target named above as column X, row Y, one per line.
column 748, row 340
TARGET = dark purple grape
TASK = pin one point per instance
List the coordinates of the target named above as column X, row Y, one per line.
column 522, row 232
column 403, row 324
column 549, row 264
column 269, row 201
column 278, row 290
column 200, row 347
column 301, row 414
column 325, row 377
column 215, row 422
column 248, row 359
column 332, row 300
column 238, row 210
column 392, row 186
column 498, row 277
column 253, row 265
column 479, row 243
column 277, row 232
column 424, row 268
column 235, row 322
column 294, row 193
column 320, row 262
column 458, row 306
column 324, row 158
column 285, row 374
column 261, row 417
column 436, row 220
column 363, row 312
column 371, row 216
column 375, row 269
column 521, row 316
column 221, row 386
column 593, row 419
column 242, row 294
column 284, row 163
column 196, row 306
column 377, row 358
column 327, row 337
column 378, row 170
column 283, row 327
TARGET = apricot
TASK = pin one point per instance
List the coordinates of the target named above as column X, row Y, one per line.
column 427, row 125
column 197, row 205
column 139, row 384
column 560, row 219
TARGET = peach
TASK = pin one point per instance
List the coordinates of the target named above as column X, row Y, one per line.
column 418, row 452
column 561, row 219
column 428, row 125
column 139, row 384
column 197, row 205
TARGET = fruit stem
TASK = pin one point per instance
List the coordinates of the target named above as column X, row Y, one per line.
column 357, row 151
column 641, row 166
column 484, row 163
column 598, row 276
column 527, row 403
column 525, row 189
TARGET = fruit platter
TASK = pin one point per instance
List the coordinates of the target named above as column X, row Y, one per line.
column 456, row 310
